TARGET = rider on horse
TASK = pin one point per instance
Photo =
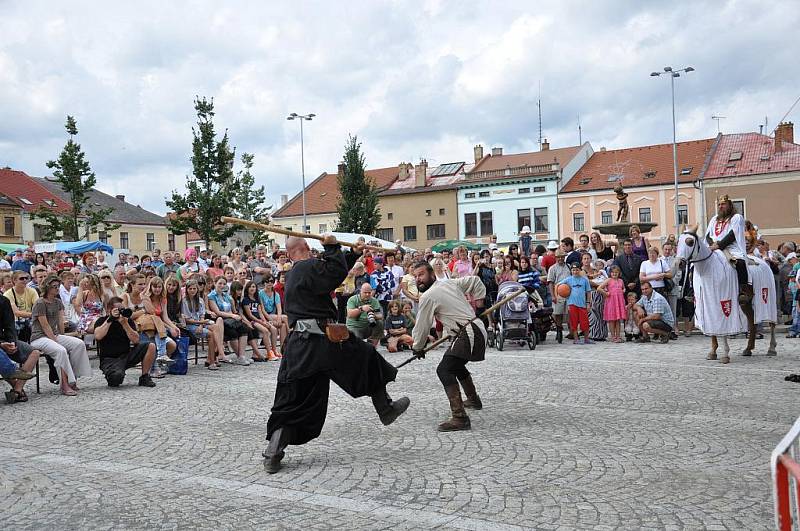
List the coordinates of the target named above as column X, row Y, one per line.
column 726, row 232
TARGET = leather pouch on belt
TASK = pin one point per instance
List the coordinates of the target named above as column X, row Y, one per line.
column 337, row 333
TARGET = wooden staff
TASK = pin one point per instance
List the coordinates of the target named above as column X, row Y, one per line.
column 486, row 312
column 286, row 232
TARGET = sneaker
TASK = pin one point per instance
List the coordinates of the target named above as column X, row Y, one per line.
column 18, row 374
column 241, row 361
column 146, row 381
column 577, row 342
column 227, row 359
column 213, row 367
column 588, row 341
column 164, row 359
column 664, row 339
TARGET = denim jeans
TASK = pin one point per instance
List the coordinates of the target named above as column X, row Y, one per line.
column 7, row 366
column 795, row 328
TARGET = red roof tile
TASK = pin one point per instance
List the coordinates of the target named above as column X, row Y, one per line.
column 322, row 194
column 28, row 193
column 751, row 154
column 640, row 166
column 535, row 158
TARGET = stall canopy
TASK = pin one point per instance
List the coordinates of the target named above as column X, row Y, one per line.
column 449, row 245
column 73, row 247
column 10, row 248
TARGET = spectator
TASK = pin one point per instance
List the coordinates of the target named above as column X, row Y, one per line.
column 203, row 259
column 630, row 265
column 216, row 266
column 396, row 331
column 525, row 241
column 513, row 253
column 596, row 275
column 578, row 300
column 237, row 295
column 601, row 250
column 172, row 288
column 193, row 312
column 631, row 321
column 156, row 260
column 168, row 266
column 255, row 313
column 155, row 326
column 119, row 347
column 655, row 271
column 343, row 293
column 38, row 274
column 280, row 264
column 22, row 299
column 527, row 276
column 133, row 263
column 440, row 271
column 5, row 281
column 67, row 291
column 583, row 246
column 120, row 280
column 236, row 260
column 557, row 273
column 273, row 309
column 88, row 304
column 408, row 285
column 397, row 272
column 5, row 265
column 572, row 256
column 488, row 276
column 259, row 266
column 229, row 275
column 280, row 285
column 234, row 331
column 638, row 242
column 508, row 273
column 549, row 257
column 47, row 336
column 654, row 315
column 40, row 260
column 190, row 266
column 26, row 263
column 461, row 265
column 383, row 282
column 411, row 317
column 18, row 351
column 364, row 318
column 674, row 265
column 614, row 312
column 110, row 289
column 88, row 263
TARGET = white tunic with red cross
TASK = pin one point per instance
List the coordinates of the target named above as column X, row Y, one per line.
column 718, row 228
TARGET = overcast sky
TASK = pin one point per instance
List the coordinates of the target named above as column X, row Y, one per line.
column 412, row 79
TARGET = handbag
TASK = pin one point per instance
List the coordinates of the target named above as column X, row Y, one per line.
column 181, row 357
column 669, row 285
column 337, row 333
column 22, row 326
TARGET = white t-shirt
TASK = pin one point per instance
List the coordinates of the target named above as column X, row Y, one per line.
column 4, row 266
column 649, row 268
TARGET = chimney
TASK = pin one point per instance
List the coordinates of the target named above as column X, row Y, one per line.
column 602, row 148
column 420, row 173
column 120, row 197
column 783, row 133
column 403, row 173
column 341, row 169
column 497, row 151
column 284, row 199
column 478, row 150
column 545, row 145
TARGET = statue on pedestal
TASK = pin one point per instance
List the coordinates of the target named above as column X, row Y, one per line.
column 622, row 197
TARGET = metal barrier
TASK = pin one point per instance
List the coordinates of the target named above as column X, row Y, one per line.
column 785, row 480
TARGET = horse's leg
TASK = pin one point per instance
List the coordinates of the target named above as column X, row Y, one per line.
column 772, row 351
column 725, row 350
column 747, row 308
column 712, row 354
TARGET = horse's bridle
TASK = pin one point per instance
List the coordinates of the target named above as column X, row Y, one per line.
column 695, row 248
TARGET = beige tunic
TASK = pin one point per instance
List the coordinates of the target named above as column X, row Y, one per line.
column 447, row 301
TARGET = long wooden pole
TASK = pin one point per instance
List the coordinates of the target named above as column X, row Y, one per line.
column 286, row 232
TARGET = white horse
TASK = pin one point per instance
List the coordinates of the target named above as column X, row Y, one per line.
column 716, row 292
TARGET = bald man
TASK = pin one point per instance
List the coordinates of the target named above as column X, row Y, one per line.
column 312, row 358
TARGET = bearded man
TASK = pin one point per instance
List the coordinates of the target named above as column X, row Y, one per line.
column 447, row 302
column 726, row 232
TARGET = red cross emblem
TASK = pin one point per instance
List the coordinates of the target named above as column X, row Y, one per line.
column 764, row 294
column 726, row 307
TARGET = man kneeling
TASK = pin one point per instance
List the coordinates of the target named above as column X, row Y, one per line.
column 118, row 345
column 654, row 315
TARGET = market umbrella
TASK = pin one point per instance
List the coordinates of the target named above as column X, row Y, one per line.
column 449, row 245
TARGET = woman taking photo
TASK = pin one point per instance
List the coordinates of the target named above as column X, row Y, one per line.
column 273, row 310
column 234, row 331
column 508, row 273
column 193, row 312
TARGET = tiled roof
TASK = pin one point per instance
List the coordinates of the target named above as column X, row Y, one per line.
column 322, row 194
column 123, row 212
column 640, row 166
column 438, row 182
column 28, row 192
column 536, row 158
column 6, row 201
column 751, row 154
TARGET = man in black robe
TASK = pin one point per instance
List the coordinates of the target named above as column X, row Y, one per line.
column 311, row 361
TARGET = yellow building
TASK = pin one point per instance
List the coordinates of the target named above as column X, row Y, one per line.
column 11, row 214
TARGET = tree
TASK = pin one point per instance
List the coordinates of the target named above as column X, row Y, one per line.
column 212, row 188
column 250, row 200
column 358, row 204
column 76, row 178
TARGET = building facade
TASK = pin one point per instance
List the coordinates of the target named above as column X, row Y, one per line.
column 11, row 214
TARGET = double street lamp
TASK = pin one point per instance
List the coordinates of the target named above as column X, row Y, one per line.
column 302, row 118
column 673, row 73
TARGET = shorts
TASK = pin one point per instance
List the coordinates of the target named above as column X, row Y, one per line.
column 196, row 330
column 658, row 324
column 23, row 351
column 133, row 358
column 560, row 306
column 233, row 329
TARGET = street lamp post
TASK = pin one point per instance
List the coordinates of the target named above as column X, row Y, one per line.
column 673, row 73
column 302, row 118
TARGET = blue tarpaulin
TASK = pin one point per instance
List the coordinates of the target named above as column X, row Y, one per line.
column 74, row 247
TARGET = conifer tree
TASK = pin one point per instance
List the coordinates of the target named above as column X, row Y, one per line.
column 358, row 208
column 250, row 200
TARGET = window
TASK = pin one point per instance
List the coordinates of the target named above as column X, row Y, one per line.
column 683, row 214
column 614, row 177
column 306, row 228
column 323, row 228
column 649, row 174
column 171, row 242
column 686, row 171
column 606, row 217
column 523, row 218
column 735, row 155
column 470, row 195
column 739, row 206
column 644, row 215
column 442, row 211
column 538, row 189
column 38, row 233
column 410, row 233
column 10, row 226
column 428, row 212
column 385, row 234
column 585, row 181
column 289, row 227
column 436, row 232
column 524, row 190
column 577, row 222
column 151, row 241
column 102, row 236
column 470, row 225
column 123, row 240
column 390, row 216
column 540, row 220
column 25, row 200
column 483, row 194
column 487, row 227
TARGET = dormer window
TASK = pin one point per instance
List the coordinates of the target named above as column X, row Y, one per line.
column 614, row 177
column 50, row 202
column 734, row 156
column 25, row 200
column 649, row 174
column 686, row 171
column 585, row 181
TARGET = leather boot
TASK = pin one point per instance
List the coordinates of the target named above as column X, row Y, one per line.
column 745, row 294
column 473, row 401
column 274, row 453
column 459, row 420
column 388, row 410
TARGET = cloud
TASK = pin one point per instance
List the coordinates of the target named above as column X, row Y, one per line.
column 412, row 79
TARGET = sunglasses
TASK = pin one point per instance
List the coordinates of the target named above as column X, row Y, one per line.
column 23, row 278
column 201, row 283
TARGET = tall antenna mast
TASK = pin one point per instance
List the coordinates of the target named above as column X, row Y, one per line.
column 718, row 118
column 539, row 105
column 580, row 137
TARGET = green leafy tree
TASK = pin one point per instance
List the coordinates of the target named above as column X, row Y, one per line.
column 76, row 178
column 212, row 188
column 358, row 205
column 250, row 200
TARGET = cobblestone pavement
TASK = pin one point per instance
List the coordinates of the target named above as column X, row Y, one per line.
column 571, row 437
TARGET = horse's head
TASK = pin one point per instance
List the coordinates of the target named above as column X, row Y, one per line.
column 691, row 247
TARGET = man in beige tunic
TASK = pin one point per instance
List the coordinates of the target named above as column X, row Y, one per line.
column 447, row 301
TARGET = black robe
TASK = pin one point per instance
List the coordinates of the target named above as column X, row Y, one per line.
column 310, row 362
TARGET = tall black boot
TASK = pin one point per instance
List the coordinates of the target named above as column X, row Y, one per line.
column 274, row 453
column 473, row 401
column 459, row 420
column 388, row 410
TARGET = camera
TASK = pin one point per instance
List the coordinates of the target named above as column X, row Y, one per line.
column 126, row 312
column 371, row 319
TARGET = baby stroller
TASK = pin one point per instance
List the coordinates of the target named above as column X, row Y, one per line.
column 513, row 319
column 542, row 317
